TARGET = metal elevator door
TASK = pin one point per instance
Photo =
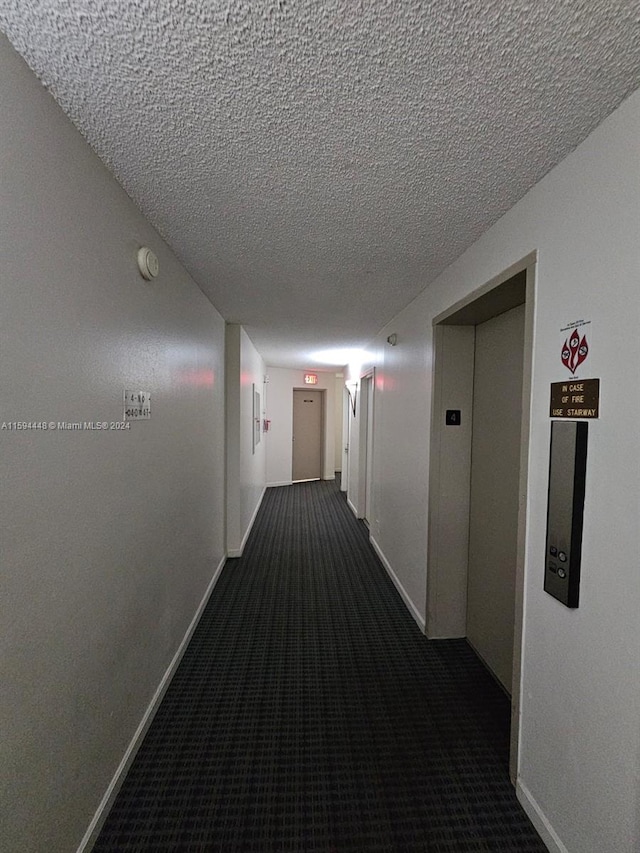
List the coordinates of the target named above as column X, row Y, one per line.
column 495, row 473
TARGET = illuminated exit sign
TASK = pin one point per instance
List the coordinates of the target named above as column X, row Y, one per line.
column 311, row 379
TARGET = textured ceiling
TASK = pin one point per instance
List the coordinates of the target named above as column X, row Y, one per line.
column 316, row 163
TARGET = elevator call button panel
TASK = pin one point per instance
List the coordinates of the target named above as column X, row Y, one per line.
column 565, row 510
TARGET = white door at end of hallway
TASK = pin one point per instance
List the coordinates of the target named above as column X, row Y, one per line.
column 307, row 435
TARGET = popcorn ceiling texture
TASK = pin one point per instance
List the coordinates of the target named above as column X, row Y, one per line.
column 316, row 163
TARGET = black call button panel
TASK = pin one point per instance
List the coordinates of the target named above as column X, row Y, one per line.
column 565, row 510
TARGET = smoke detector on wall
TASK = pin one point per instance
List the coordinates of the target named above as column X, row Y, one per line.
column 148, row 263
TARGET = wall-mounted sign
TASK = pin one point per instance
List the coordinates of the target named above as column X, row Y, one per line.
column 137, row 405
column 311, row 379
column 575, row 399
column 575, row 348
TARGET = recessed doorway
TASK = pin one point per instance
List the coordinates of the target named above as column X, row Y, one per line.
column 478, row 474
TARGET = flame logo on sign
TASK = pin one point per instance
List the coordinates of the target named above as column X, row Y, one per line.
column 574, row 351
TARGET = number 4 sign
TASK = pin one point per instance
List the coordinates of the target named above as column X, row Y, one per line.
column 137, row 405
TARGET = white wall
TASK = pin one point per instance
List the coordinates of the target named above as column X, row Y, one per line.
column 280, row 389
column 109, row 540
column 401, row 437
column 246, row 464
column 580, row 737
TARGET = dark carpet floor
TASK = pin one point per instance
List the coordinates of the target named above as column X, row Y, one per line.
column 310, row 715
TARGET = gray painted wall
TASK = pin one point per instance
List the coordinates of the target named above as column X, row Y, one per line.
column 109, row 539
column 450, row 475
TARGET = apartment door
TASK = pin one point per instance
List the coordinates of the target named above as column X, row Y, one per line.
column 367, row 391
column 307, row 435
column 495, row 473
column 346, row 439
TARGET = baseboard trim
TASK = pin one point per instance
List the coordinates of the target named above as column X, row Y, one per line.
column 352, row 508
column 237, row 552
column 538, row 819
column 279, row 483
column 111, row 793
column 396, row 582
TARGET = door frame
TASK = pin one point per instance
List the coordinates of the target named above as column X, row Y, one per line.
column 346, row 423
column 446, row 587
column 365, row 445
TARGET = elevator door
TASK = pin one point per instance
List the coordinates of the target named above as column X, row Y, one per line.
column 495, row 471
column 307, row 435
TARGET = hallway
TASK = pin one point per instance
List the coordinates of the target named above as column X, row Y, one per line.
column 310, row 714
